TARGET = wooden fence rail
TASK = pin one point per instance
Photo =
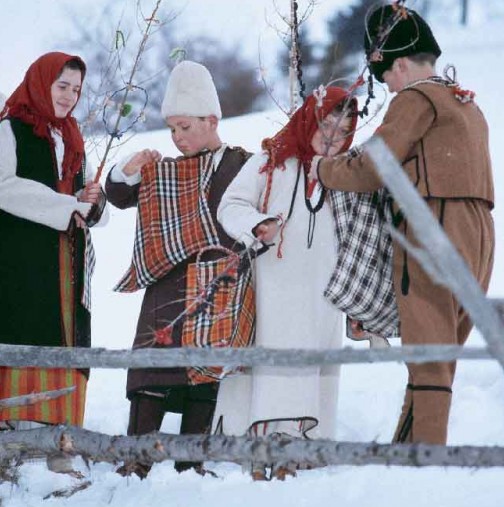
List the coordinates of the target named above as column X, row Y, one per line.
column 157, row 447
column 438, row 257
column 57, row 357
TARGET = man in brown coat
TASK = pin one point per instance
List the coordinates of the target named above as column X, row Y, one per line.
column 440, row 136
column 192, row 111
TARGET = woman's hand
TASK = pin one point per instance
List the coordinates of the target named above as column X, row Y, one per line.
column 139, row 160
column 266, row 230
column 79, row 222
column 90, row 193
column 93, row 194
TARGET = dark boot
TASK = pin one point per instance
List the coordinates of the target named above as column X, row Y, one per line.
column 134, row 468
column 199, row 408
column 146, row 415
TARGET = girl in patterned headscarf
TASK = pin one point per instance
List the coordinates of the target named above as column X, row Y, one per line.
column 46, row 196
column 272, row 201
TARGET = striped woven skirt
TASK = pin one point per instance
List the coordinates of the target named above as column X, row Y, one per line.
column 67, row 409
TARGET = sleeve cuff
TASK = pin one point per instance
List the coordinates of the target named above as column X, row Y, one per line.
column 117, row 175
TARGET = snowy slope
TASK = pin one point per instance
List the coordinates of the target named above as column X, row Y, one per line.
column 370, row 395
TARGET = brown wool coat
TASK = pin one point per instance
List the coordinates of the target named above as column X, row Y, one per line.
column 165, row 300
column 441, row 143
column 443, row 147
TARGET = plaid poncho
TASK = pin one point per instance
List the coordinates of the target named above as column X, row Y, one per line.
column 174, row 224
column 173, row 220
column 226, row 317
column 361, row 284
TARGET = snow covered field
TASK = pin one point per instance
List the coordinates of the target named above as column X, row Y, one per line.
column 370, row 395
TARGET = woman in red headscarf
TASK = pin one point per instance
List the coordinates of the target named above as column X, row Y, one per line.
column 271, row 200
column 46, row 201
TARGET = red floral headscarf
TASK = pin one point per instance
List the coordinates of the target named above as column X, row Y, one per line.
column 32, row 103
column 294, row 140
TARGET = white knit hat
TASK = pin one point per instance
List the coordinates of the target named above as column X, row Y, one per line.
column 190, row 92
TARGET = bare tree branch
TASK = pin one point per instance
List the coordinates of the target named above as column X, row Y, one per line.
column 32, row 398
column 129, row 85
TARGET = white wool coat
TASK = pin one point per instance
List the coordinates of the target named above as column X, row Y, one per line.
column 291, row 309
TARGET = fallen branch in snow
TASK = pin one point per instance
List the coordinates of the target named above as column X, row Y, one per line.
column 59, row 357
column 32, row 398
column 157, row 447
column 68, row 492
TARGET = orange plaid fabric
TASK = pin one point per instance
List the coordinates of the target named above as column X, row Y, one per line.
column 67, row 409
column 173, row 218
column 220, row 311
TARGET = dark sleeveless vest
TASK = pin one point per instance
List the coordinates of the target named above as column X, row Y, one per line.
column 30, row 310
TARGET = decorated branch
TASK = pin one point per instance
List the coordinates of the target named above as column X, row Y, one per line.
column 124, row 109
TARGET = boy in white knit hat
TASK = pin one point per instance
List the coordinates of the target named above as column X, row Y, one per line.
column 189, row 190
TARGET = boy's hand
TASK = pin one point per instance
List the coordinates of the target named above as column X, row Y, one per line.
column 139, row 160
column 313, row 174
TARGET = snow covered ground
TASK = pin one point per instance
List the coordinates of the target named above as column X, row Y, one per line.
column 370, row 395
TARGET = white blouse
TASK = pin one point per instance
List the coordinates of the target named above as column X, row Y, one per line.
column 31, row 199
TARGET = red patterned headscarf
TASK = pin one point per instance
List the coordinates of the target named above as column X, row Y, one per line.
column 32, row 103
column 294, row 140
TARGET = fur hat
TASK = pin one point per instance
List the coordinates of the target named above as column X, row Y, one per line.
column 409, row 36
column 190, row 91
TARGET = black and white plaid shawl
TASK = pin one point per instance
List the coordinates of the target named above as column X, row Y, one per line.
column 89, row 265
column 361, row 284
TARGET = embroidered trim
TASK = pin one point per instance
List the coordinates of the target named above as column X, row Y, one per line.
column 448, row 81
column 428, row 388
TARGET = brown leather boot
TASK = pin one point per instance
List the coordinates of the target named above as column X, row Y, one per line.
column 258, row 472
column 280, row 471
